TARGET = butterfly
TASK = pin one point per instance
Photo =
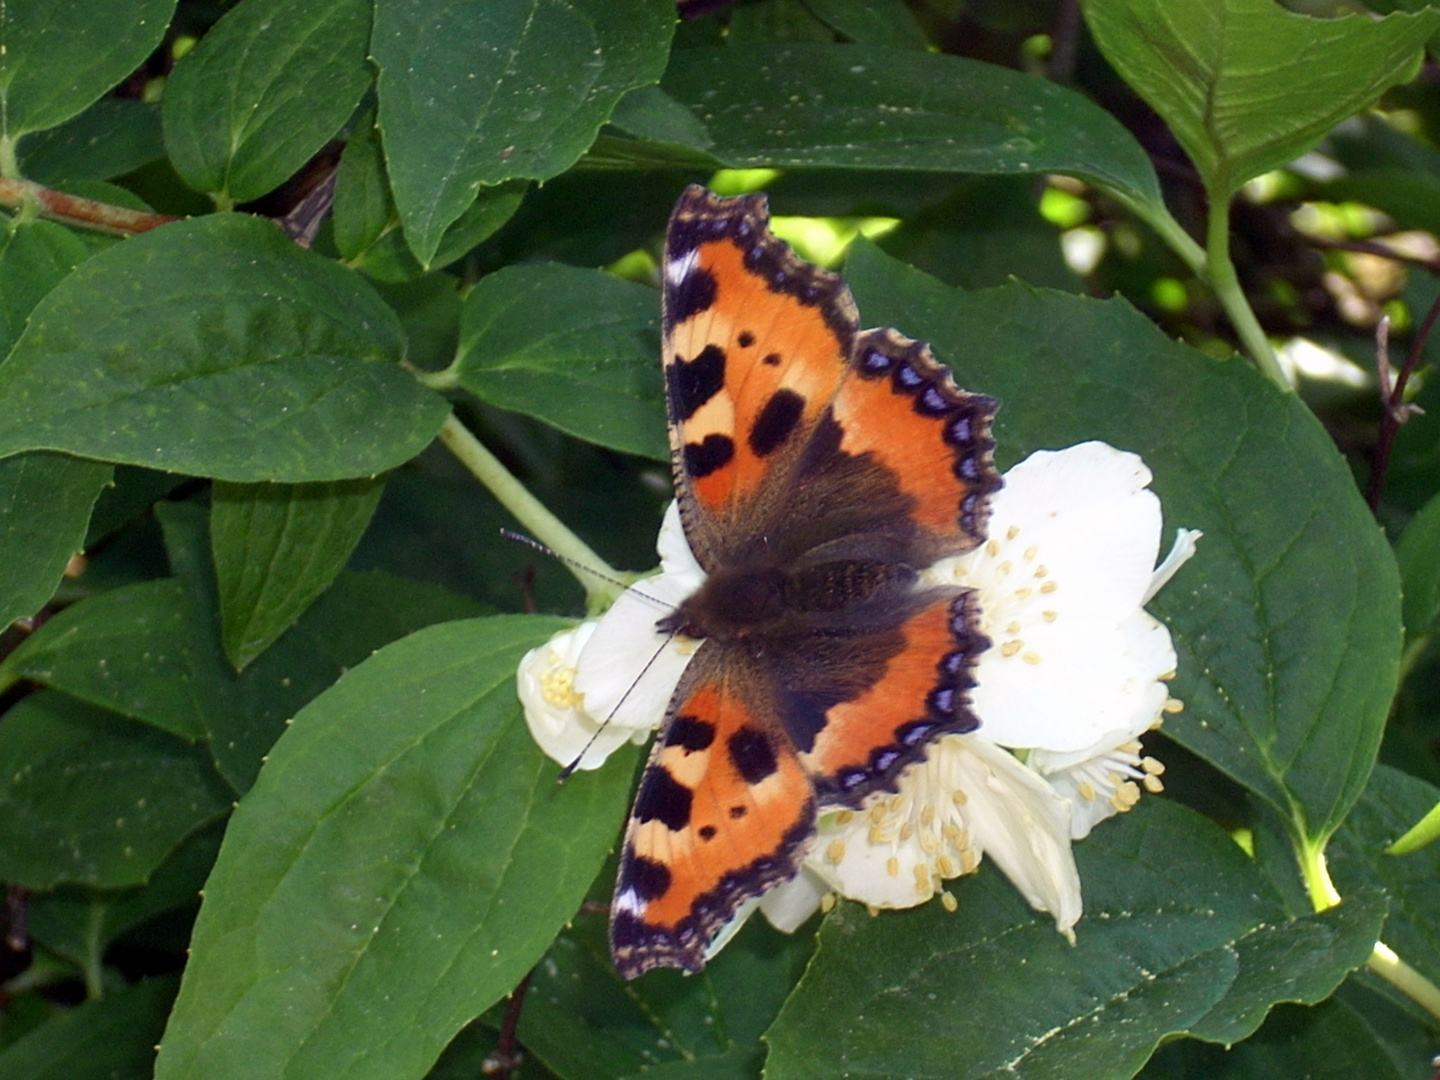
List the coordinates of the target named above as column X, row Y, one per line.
column 819, row 468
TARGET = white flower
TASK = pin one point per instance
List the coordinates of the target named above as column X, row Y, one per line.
column 555, row 710
column 1074, row 675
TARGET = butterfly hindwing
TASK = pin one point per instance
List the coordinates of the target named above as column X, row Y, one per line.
column 724, row 811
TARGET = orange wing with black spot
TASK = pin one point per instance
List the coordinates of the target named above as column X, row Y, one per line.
column 819, row 469
column 725, row 810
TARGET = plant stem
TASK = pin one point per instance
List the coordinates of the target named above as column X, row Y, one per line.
column 601, row 582
column 1323, row 894
column 94, row 952
column 1383, row 960
column 1168, row 229
column 1413, row 651
column 16, row 195
column 1226, row 284
column 1384, row 963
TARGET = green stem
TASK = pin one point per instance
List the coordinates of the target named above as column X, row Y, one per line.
column 601, row 582
column 1316, row 874
column 1158, row 218
column 1384, row 963
column 1226, row 284
column 94, row 952
column 1383, row 960
column 9, row 162
column 1412, row 653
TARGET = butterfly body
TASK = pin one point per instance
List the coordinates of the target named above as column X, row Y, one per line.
column 819, row 470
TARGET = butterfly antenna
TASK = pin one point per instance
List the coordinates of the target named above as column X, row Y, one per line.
column 569, row 769
column 531, row 542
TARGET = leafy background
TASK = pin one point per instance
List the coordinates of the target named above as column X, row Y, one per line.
column 301, row 304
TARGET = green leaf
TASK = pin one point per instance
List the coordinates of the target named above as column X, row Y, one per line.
column 871, row 22
column 1327, row 1042
column 429, row 310
column 578, row 349
column 1419, row 556
column 89, row 798
column 34, row 258
column 586, row 1023
column 217, row 347
column 264, row 90
column 111, row 1039
column 127, row 650
column 865, row 107
column 649, row 113
column 1409, row 196
column 277, row 547
column 109, row 139
column 45, row 503
column 367, row 226
column 477, row 94
column 1247, row 86
column 245, row 713
column 403, row 859
column 984, row 233
column 1286, row 622
column 357, row 615
column 1359, row 857
column 79, row 924
column 60, row 55
column 1181, row 933
column 363, row 209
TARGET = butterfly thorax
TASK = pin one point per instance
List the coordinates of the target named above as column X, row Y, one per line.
column 738, row 602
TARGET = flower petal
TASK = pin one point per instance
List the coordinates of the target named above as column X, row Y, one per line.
column 629, row 670
column 554, row 709
column 967, row 798
column 790, row 903
column 1024, row 825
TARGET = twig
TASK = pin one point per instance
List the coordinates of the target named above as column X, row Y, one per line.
column 303, row 221
column 1370, row 247
column 72, row 210
column 1392, row 396
column 17, row 908
column 506, row 1056
column 1064, row 41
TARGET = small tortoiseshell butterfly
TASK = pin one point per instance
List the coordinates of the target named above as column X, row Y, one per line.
column 819, row 468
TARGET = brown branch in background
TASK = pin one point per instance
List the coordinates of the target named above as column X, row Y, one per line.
column 17, row 909
column 72, row 210
column 506, row 1056
column 303, row 221
column 1064, row 42
column 1370, row 247
column 1392, row 396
